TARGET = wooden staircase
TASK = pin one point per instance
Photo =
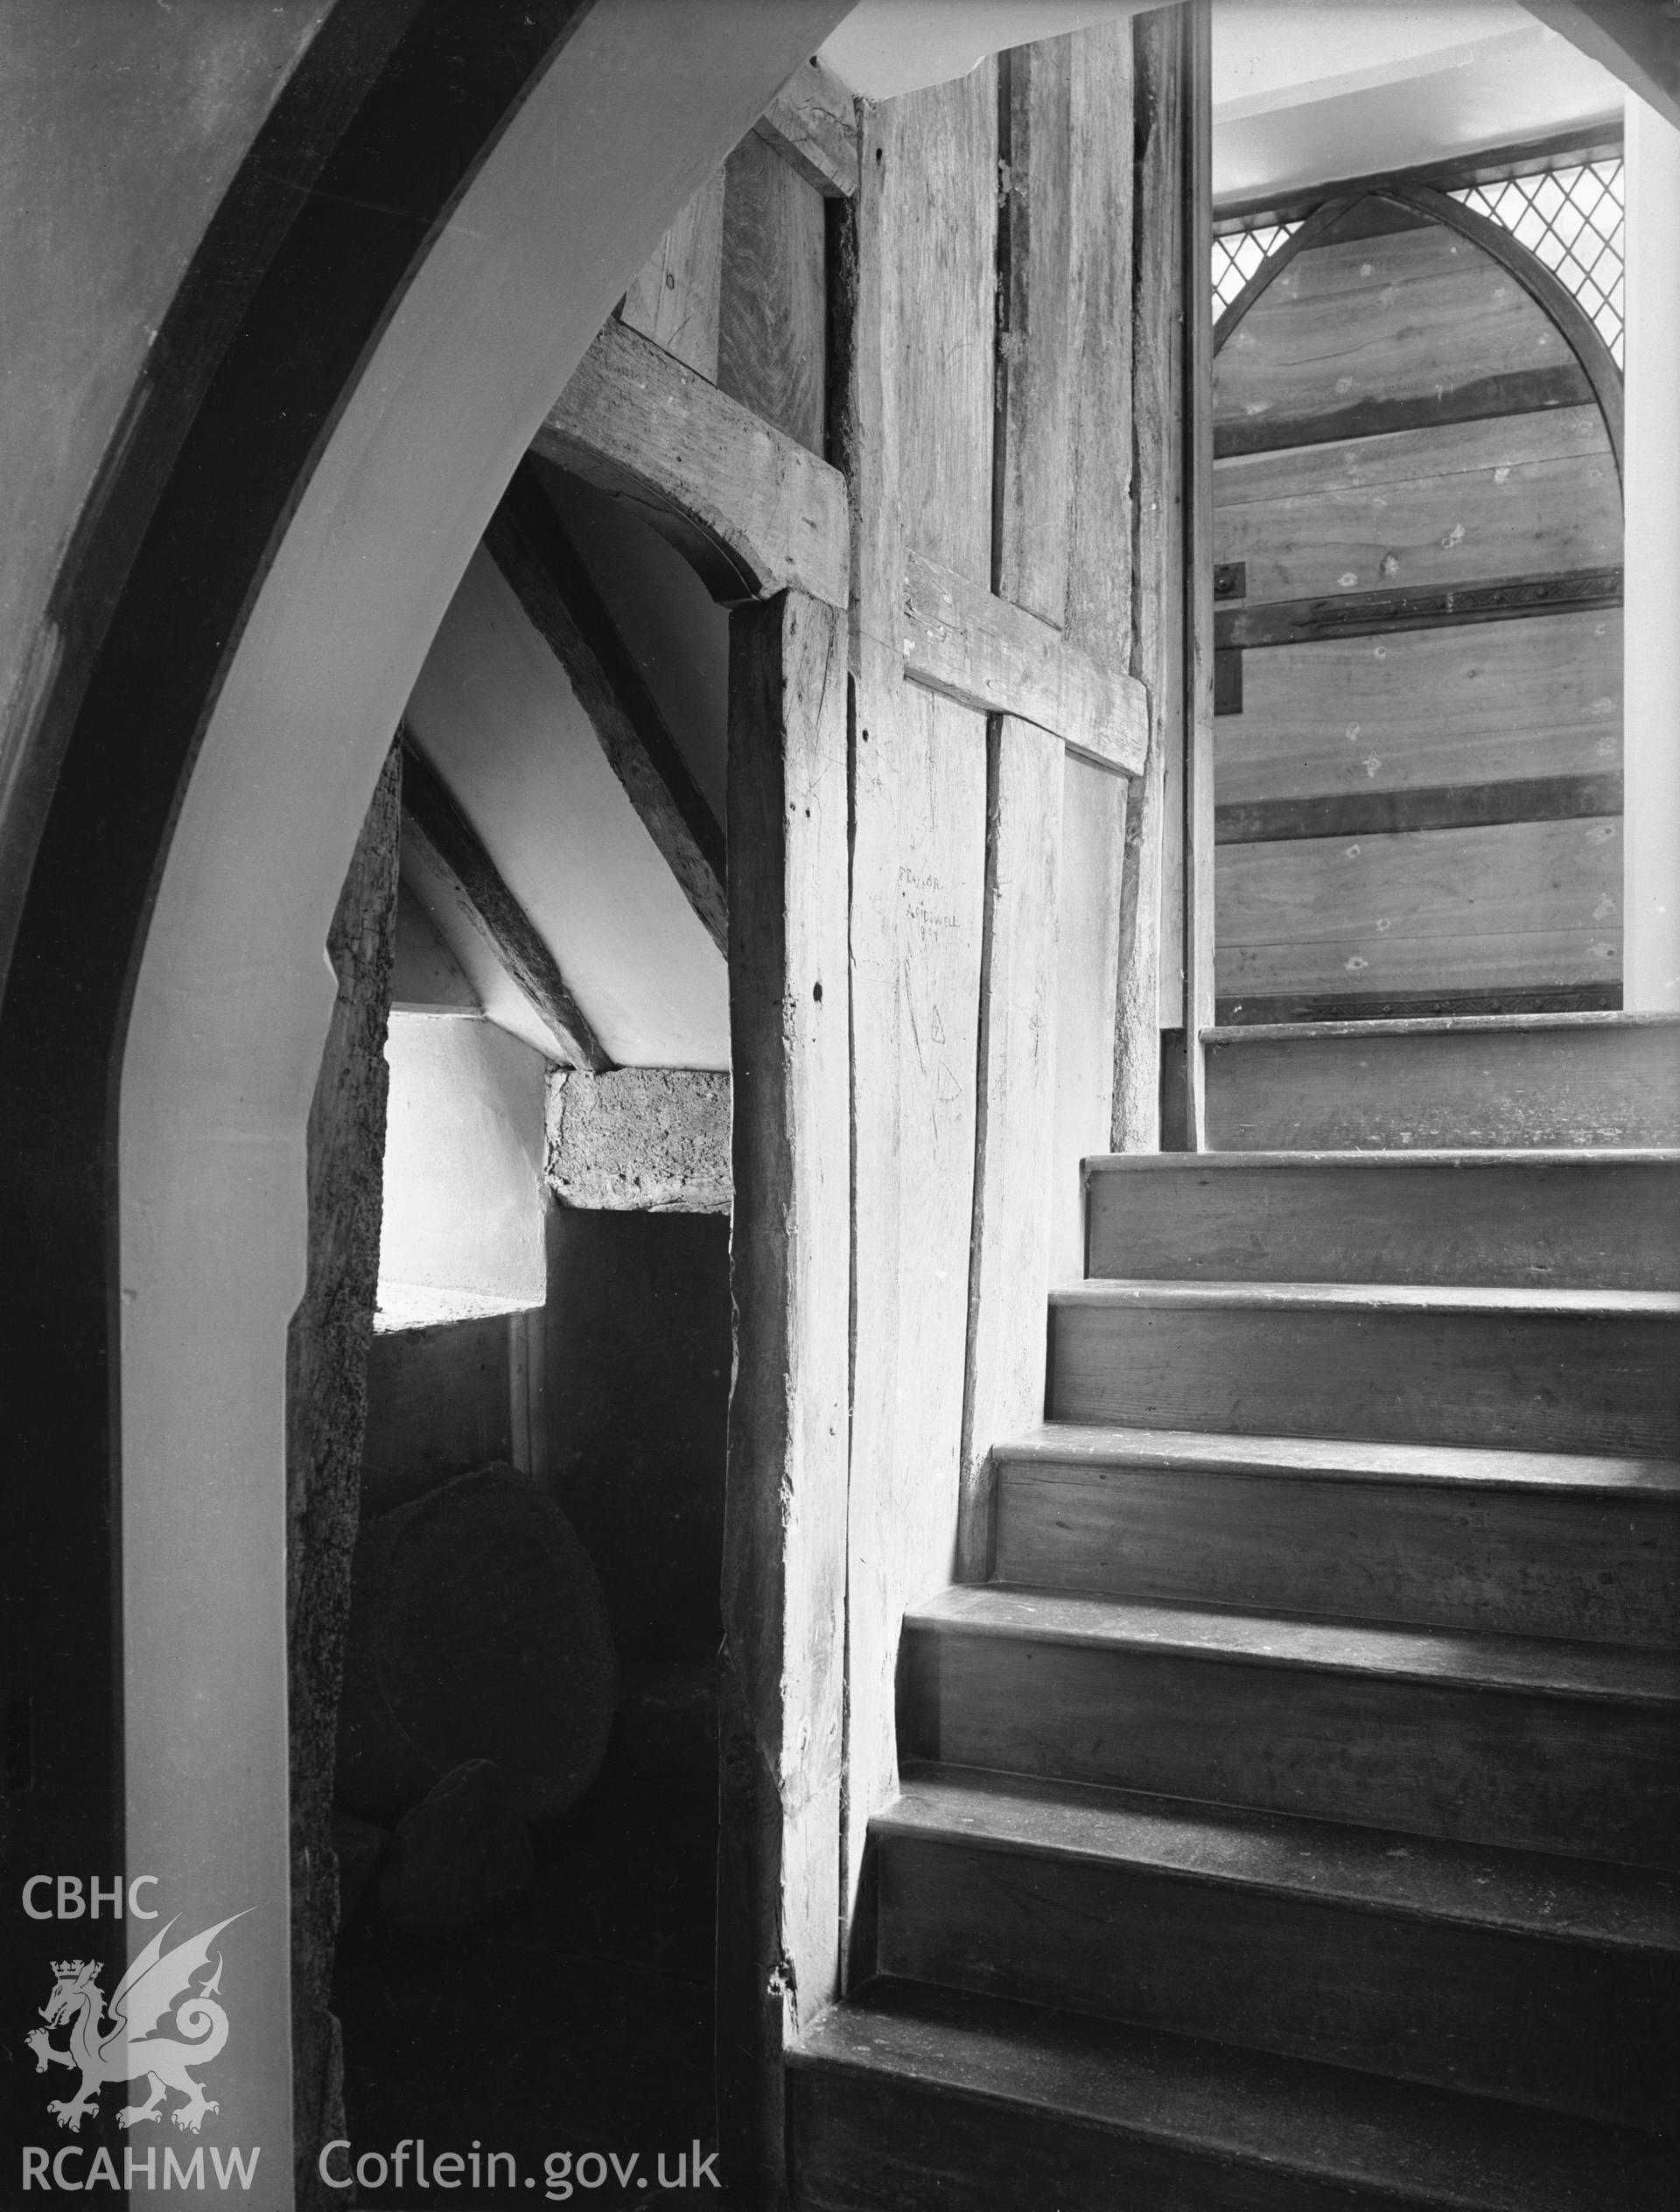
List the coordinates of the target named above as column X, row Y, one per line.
column 1288, row 1821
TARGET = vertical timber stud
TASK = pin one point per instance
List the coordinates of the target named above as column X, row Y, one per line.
column 1199, row 920
column 1150, row 938
column 785, row 1537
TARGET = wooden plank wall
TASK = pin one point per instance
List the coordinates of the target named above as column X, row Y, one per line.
column 1419, row 796
column 921, row 477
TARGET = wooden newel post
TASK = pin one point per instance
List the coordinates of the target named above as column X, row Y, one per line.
column 785, row 1536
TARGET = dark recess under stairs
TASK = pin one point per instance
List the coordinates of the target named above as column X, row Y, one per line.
column 1288, row 1821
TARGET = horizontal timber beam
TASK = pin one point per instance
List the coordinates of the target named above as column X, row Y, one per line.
column 452, row 852
column 962, row 640
column 1354, row 614
column 1528, row 391
column 1374, row 813
column 811, row 123
column 751, row 509
column 1417, row 1005
column 529, row 543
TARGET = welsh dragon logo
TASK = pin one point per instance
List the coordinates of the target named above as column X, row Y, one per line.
column 158, row 1981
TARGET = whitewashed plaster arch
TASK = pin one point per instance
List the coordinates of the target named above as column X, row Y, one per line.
column 234, row 990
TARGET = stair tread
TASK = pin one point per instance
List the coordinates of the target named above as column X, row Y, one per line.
column 1524, row 1893
column 1530, row 1159
column 1462, row 2153
column 1461, row 1658
column 1513, row 1301
column 1057, row 1444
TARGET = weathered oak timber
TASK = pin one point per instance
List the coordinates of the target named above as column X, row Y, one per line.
column 1525, row 1544
column 1009, row 1269
column 1033, row 470
column 528, row 540
column 812, row 124
column 1541, row 1080
column 753, row 510
column 1199, row 636
column 328, row 1343
column 1152, row 923
column 964, row 642
column 675, row 299
column 920, row 440
column 453, row 853
column 772, row 319
column 1467, row 806
column 784, row 1597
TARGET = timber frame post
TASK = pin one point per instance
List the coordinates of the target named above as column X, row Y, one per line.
column 785, row 1558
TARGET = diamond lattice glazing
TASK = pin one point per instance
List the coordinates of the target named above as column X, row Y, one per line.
column 1571, row 221
column 1238, row 254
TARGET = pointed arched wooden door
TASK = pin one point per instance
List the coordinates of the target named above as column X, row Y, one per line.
column 1418, row 523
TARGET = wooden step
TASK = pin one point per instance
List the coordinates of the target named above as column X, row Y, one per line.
column 1542, row 1746
column 1499, row 1080
column 1547, row 1980
column 1544, row 1370
column 908, row 2098
column 1525, row 1544
column 1603, row 1220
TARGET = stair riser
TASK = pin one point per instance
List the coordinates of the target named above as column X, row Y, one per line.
column 866, row 2144
column 1539, row 1382
column 1578, row 2029
column 1529, row 1563
column 1596, row 1084
column 1592, row 1779
column 1588, row 1224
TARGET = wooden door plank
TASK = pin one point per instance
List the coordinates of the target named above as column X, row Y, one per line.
column 1404, row 457
column 964, row 641
column 773, row 320
column 1525, row 518
column 753, row 510
column 1370, row 322
column 1010, row 1269
column 1459, row 884
column 674, row 299
column 1362, row 962
column 1428, row 708
column 782, row 1693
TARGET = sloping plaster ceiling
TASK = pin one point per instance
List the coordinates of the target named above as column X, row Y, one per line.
column 1306, row 91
